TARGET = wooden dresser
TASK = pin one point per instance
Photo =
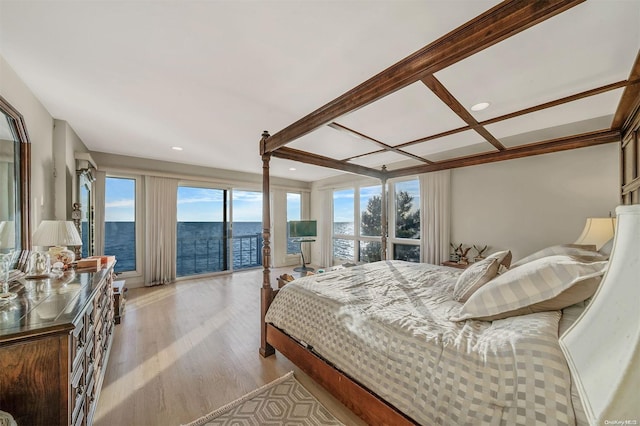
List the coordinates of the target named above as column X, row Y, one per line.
column 55, row 339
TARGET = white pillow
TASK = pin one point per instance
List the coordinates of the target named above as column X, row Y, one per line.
column 478, row 274
column 606, row 249
column 548, row 283
column 566, row 249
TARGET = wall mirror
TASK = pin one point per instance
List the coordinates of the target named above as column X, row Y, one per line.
column 15, row 189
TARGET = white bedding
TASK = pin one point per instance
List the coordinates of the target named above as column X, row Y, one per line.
column 386, row 325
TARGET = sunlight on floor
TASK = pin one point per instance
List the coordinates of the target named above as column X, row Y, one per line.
column 166, row 357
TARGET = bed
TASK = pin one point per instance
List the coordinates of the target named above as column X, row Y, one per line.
column 387, row 326
column 548, row 367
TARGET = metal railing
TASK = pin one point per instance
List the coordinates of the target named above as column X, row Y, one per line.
column 204, row 255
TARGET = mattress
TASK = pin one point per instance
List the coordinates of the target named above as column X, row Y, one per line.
column 386, row 325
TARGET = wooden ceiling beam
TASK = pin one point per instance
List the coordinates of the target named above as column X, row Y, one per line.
column 384, row 146
column 629, row 102
column 498, row 23
column 545, row 147
column 445, row 96
column 566, row 99
column 319, row 160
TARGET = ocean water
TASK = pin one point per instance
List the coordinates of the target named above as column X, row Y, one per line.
column 200, row 246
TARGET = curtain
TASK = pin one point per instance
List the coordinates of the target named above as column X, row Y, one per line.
column 99, row 212
column 161, row 197
column 435, row 213
column 325, row 231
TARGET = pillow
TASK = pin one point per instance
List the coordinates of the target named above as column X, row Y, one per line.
column 504, row 258
column 566, row 249
column 606, row 249
column 478, row 274
column 545, row 284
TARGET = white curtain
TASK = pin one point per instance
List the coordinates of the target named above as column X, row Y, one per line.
column 325, row 231
column 435, row 214
column 160, row 230
column 99, row 212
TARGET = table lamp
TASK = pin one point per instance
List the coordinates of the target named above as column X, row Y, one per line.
column 597, row 231
column 58, row 234
column 7, row 235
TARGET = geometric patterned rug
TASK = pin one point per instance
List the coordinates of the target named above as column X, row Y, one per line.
column 282, row 402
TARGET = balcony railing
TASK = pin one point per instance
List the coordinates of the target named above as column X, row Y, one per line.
column 203, row 255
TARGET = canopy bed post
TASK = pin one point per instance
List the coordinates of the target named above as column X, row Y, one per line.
column 266, row 293
column 384, row 229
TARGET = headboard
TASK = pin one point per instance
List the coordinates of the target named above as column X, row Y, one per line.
column 603, row 346
column 630, row 149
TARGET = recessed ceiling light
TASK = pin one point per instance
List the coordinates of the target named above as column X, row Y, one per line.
column 293, row 169
column 480, row 106
column 176, row 148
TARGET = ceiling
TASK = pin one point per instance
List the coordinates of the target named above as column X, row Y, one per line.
column 139, row 77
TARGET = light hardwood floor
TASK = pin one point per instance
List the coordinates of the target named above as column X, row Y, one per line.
column 185, row 349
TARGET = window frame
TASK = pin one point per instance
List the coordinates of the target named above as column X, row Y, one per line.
column 357, row 236
column 392, row 239
column 139, row 215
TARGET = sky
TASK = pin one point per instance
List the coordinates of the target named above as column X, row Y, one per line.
column 194, row 204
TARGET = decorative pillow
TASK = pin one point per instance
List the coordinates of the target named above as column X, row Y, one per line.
column 545, row 284
column 566, row 249
column 504, row 258
column 606, row 249
column 478, row 274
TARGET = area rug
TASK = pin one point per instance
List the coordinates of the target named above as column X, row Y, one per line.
column 282, row 402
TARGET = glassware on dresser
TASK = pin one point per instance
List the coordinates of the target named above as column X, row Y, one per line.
column 6, row 262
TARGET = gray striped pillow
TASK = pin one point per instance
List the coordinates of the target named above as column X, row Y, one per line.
column 478, row 274
column 548, row 283
column 566, row 249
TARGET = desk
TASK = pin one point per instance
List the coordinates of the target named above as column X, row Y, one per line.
column 304, row 267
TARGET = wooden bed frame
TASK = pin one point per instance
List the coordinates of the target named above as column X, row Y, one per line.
column 503, row 21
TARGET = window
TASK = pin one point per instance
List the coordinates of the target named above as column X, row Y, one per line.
column 370, row 223
column 343, row 224
column 294, row 207
column 406, row 220
column 357, row 240
column 120, row 222
column 202, row 231
column 247, row 229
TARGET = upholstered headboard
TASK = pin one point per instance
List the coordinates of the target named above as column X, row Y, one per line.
column 602, row 346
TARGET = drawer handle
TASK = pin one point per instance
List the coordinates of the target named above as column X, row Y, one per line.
column 80, row 389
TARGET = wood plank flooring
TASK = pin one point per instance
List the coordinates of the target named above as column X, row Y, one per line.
column 185, row 349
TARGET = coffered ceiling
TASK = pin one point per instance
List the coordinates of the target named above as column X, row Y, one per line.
column 136, row 78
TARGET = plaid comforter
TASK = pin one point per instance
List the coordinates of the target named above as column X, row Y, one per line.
column 386, row 325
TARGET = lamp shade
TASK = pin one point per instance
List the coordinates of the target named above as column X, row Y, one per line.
column 597, row 231
column 56, row 233
column 7, row 235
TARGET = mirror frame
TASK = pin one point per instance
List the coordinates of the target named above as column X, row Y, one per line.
column 23, row 206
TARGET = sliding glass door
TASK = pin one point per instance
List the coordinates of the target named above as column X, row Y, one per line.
column 202, row 231
column 247, row 229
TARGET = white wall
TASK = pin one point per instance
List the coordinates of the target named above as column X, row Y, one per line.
column 40, row 128
column 526, row 204
column 65, row 144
